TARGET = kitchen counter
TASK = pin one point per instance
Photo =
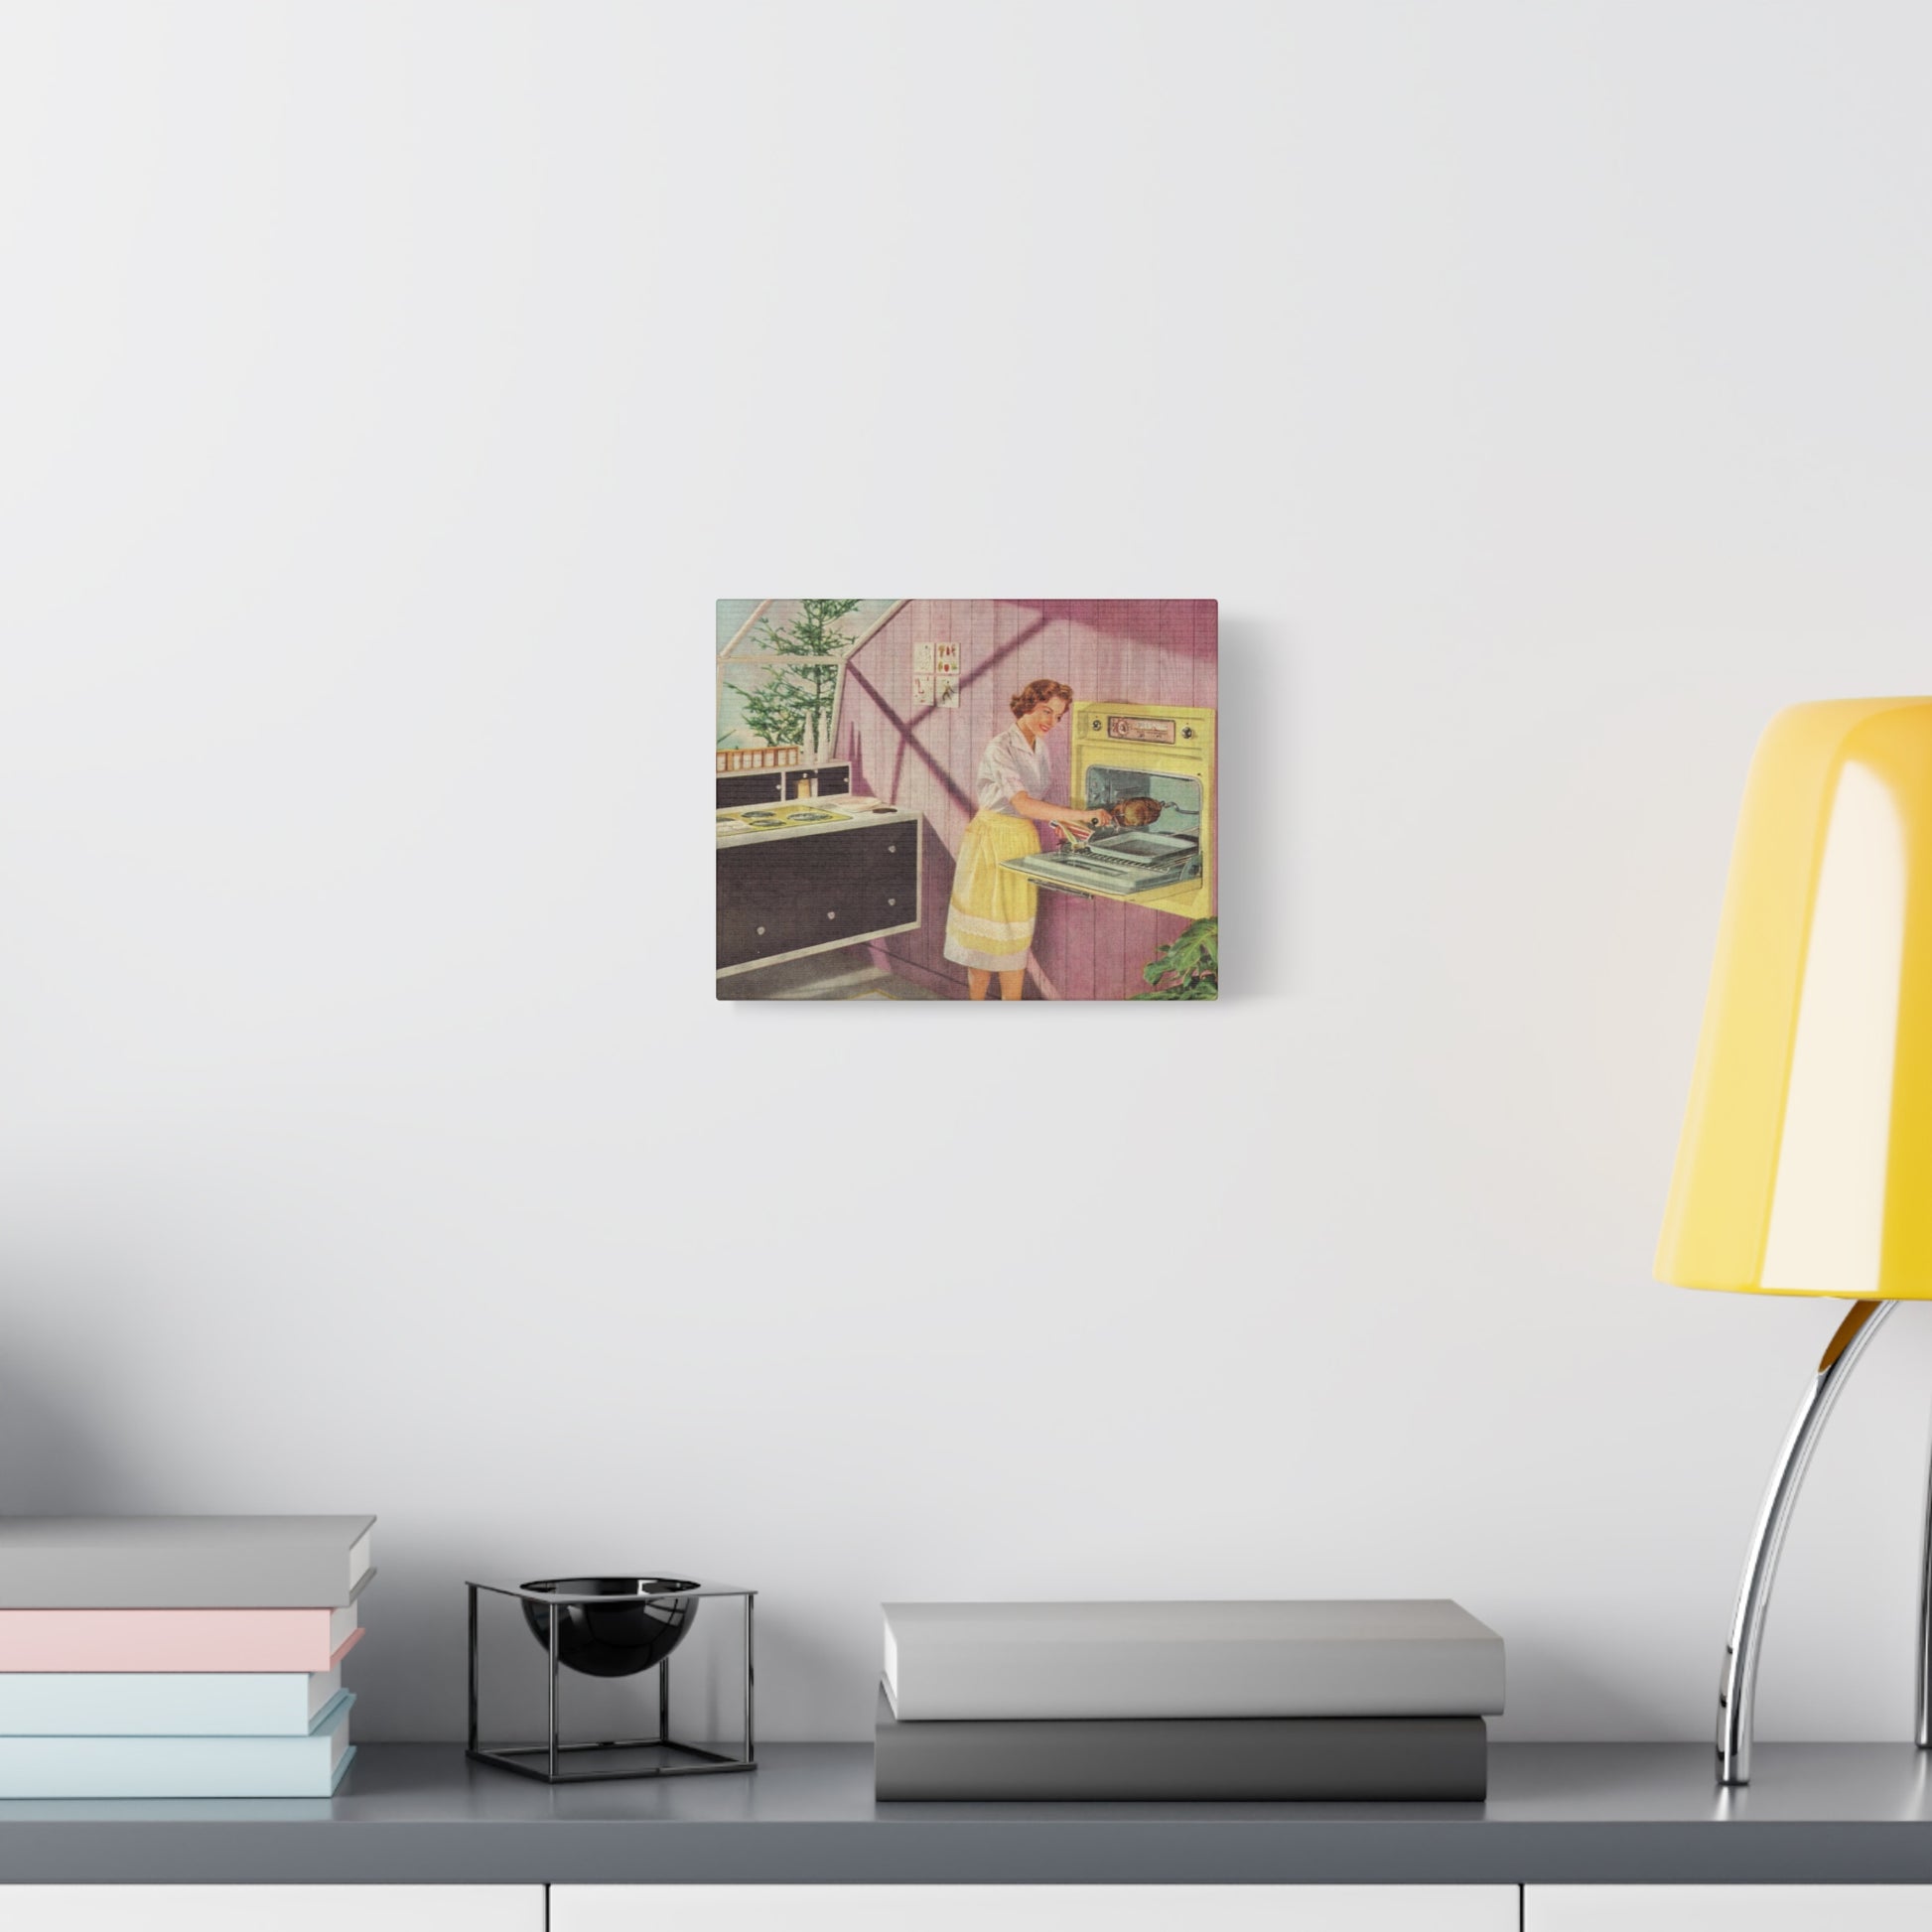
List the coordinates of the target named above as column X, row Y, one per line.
column 1558, row 1814
column 785, row 890
column 801, row 818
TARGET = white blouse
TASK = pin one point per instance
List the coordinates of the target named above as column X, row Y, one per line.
column 1011, row 766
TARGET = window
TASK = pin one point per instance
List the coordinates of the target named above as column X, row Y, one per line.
column 782, row 669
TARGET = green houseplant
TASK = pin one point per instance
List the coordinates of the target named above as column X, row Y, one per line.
column 1188, row 966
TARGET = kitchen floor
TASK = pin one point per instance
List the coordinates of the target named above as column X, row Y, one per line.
column 847, row 974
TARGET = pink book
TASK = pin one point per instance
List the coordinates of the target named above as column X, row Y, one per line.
column 170, row 1640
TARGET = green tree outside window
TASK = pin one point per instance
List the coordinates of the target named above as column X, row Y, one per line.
column 792, row 705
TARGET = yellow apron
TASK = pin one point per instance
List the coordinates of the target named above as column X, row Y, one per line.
column 989, row 921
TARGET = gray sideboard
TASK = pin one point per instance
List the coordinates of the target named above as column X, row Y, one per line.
column 1556, row 1814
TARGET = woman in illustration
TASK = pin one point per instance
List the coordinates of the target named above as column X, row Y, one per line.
column 989, row 921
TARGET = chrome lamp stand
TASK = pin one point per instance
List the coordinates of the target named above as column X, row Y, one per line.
column 1737, row 1689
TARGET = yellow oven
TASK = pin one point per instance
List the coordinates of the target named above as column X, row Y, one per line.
column 1153, row 767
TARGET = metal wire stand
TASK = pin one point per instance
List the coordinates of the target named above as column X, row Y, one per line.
column 555, row 1760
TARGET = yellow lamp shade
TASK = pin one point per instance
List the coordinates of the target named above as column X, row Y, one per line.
column 1806, row 1162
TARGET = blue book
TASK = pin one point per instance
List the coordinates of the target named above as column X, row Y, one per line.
column 309, row 1766
column 165, row 1704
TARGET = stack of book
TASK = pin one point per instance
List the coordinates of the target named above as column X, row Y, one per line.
column 178, row 1656
column 1310, row 1701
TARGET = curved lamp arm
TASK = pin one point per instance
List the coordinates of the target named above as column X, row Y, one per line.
column 1737, row 1692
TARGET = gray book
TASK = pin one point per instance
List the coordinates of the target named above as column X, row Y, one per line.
column 1310, row 1759
column 166, row 1562
column 1408, row 1658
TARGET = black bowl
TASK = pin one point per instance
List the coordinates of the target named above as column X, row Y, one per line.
column 613, row 1639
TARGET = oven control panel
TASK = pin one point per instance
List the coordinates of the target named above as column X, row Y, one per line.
column 1137, row 731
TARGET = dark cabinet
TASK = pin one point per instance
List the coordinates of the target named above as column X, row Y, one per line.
column 884, row 884
column 751, row 788
column 805, row 893
column 758, row 909
column 737, row 789
column 859, row 881
column 818, row 781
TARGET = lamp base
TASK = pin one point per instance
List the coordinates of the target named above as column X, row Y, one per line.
column 1737, row 1685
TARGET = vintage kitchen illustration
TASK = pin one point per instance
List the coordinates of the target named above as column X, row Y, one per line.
column 981, row 799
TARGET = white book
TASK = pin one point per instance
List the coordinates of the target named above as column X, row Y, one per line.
column 164, row 1704
column 1344, row 1658
column 196, row 1563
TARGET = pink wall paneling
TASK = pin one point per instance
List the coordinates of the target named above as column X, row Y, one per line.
column 925, row 757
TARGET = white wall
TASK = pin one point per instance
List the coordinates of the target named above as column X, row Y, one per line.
column 387, row 391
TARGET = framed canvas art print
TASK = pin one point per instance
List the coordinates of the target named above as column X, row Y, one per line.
column 958, row 798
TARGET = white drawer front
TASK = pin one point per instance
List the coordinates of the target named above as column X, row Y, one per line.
column 271, row 1908
column 1035, row 1908
column 1727, row 1908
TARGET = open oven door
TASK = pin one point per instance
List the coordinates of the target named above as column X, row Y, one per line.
column 1153, row 770
column 1139, row 867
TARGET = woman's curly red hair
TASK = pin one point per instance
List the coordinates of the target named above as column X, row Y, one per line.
column 1043, row 690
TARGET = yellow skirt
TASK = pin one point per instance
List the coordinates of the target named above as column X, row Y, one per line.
column 989, row 921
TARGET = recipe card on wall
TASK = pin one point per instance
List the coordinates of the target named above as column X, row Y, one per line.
column 960, row 798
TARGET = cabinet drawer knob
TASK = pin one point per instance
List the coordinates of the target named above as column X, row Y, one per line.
column 761, row 933
column 892, row 848
column 831, row 916
column 891, row 901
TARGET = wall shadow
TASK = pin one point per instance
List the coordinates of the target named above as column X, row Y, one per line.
column 902, row 731
column 1144, row 621
column 51, row 1463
